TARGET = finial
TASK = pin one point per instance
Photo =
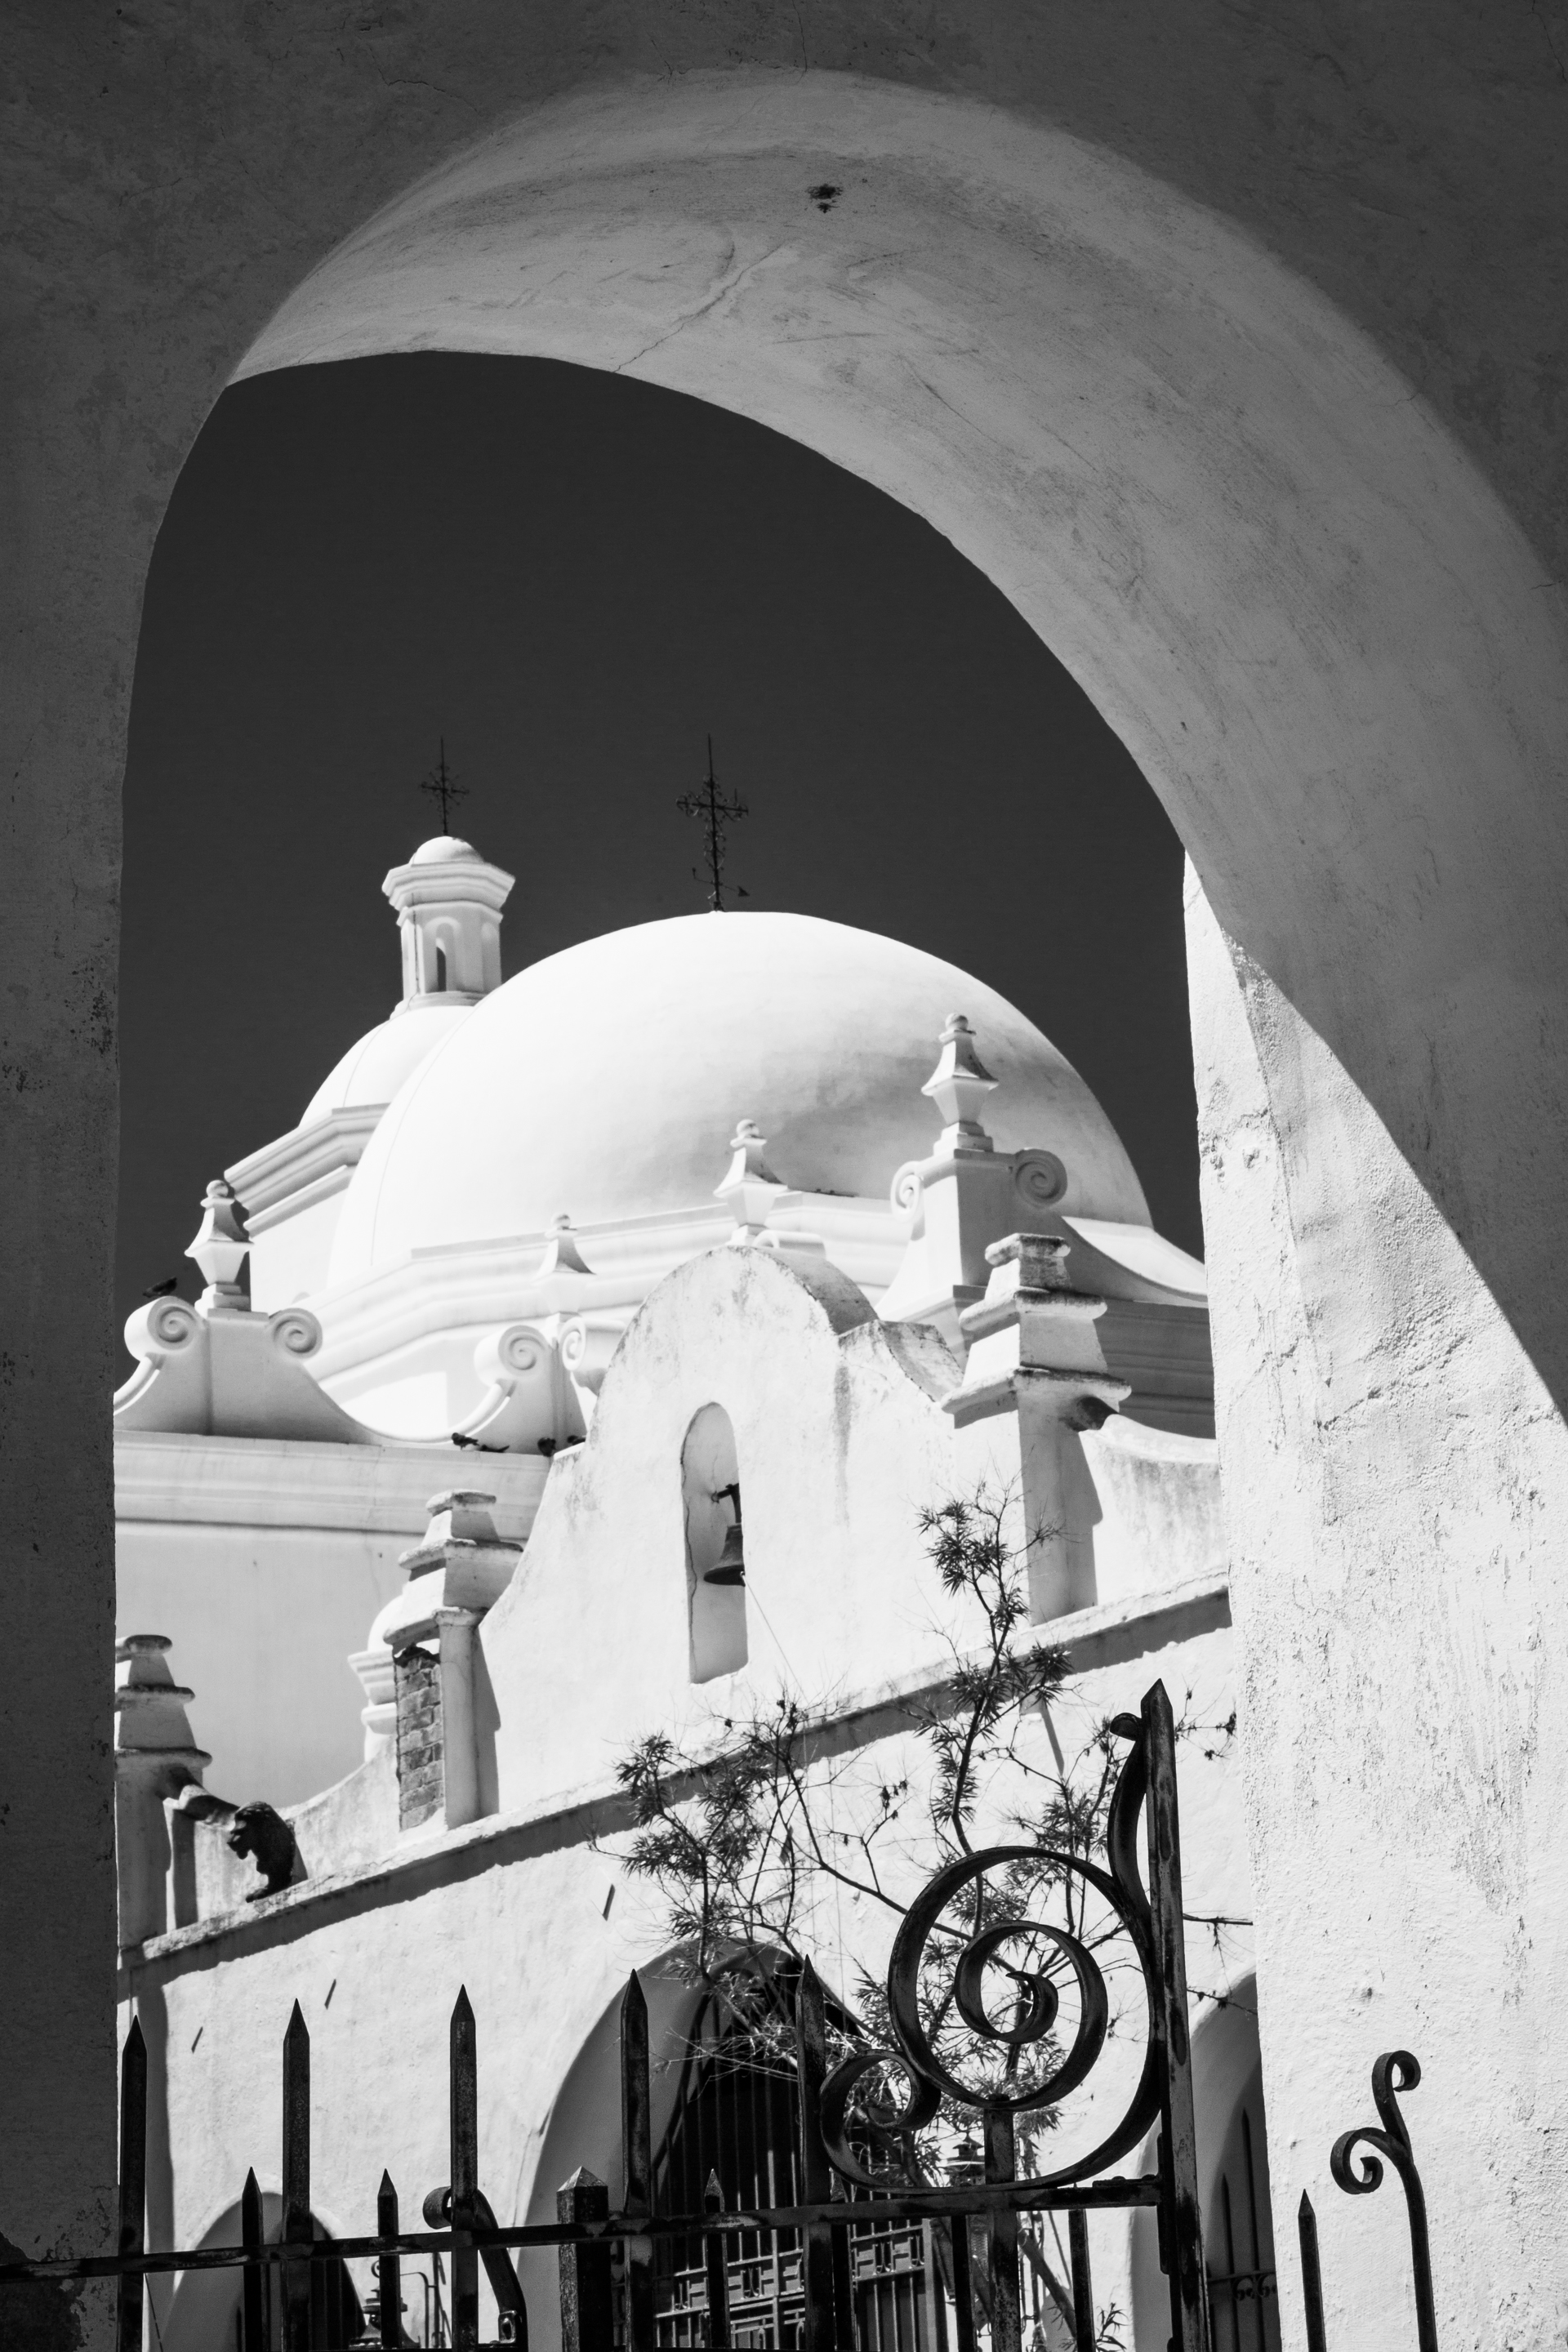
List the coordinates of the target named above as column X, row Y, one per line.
column 749, row 1165
column 442, row 786
column 151, row 1705
column 750, row 1187
column 220, row 1250
column 561, row 1255
column 959, row 1085
column 718, row 816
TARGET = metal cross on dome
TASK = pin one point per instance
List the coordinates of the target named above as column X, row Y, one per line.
column 443, row 786
column 718, row 814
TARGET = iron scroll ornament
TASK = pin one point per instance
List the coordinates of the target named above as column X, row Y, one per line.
column 886, row 2127
column 1354, row 2163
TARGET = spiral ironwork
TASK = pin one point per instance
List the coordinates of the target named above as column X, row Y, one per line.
column 884, row 2126
column 1354, row 2163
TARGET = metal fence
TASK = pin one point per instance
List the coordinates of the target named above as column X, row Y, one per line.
column 855, row 2251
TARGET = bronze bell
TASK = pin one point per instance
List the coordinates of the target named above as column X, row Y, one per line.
column 730, row 1567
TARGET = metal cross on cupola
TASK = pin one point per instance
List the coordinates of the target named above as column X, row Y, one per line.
column 718, row 816
column 442, row 786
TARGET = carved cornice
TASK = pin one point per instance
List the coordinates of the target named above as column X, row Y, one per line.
column 308, row 1159
column 258, row 1482
column 477, row 1285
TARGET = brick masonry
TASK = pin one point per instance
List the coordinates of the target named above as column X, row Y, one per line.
column 421, row 1769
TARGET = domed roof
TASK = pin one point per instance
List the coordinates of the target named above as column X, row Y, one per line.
column 606, row 1081
column 446, row 849
column 372, row 1071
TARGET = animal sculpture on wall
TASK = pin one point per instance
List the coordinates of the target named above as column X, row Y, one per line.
column 265, row 1837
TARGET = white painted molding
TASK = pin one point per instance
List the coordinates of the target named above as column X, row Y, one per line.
column 308, row 1164
column 178, row 1479
column 1091, row 1639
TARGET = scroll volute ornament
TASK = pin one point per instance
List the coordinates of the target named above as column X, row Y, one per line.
column 856, row 2115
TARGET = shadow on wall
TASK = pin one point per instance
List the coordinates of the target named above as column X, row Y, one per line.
column 205, row 2314
column 584, row 2126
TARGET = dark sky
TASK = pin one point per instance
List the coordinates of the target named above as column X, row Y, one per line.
column 575, row 578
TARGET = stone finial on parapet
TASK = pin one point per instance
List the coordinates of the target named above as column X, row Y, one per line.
column 220, row 1249
column 1034, row 1350
column 156, row 1757
column 529, row 1402
column 219, row 1370
column 755, row 1196
column 961, row 1197
column 561, row 1255
column 959, row 1085
column 750, row 1189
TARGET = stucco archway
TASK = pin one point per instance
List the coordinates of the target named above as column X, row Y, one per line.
column 1287, row 591
column 1324, row 640
column 1234, row 520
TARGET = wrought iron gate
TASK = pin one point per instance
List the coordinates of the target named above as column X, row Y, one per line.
column 733, row 2144
column 829, row 2243
column 1243, row 2288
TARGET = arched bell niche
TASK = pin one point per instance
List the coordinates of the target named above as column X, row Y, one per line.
column 715, row 1561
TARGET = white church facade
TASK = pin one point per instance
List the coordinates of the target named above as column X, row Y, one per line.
column 608, row 1331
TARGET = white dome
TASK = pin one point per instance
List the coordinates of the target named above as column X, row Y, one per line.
column 372, row 1071
column 606, row 1081
column 446, row 849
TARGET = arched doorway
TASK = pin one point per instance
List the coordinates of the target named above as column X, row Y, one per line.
column 204, row 2313
column 734, row 2128
column 724, row 2104
column 1239, row 2231
column 1233, row 2191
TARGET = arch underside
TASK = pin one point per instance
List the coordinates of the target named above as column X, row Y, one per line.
column 1330, row 649
column 1327, row 644
column 1317, row 630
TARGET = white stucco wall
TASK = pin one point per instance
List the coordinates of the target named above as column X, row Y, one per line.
column 839, row 1442
column 1343, row 666
column 266, row 1563
column 1399, row 1603
column 264, row 1621
column 518, row 1917
column 289, row 1260
column 1309, row 572
column 828, row 1417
